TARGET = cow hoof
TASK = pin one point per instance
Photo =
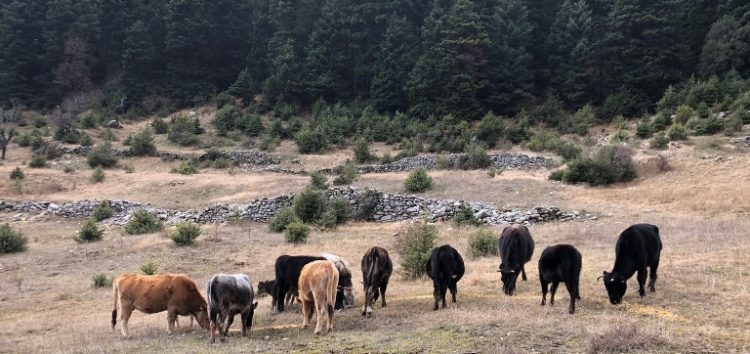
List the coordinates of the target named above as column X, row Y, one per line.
column 316, row 333
column 435, row 308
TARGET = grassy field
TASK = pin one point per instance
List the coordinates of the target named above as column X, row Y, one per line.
column 48, row 303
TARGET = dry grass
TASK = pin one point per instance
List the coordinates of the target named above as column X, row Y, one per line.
column 703, row 282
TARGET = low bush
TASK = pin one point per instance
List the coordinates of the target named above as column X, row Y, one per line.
column 346, row 174
column 483, row 243
column 183, row 131
column 677, row 132
column 185, row 168
column 708, row 126
column 16, row 174
column 89, row 120
column 149, row 268
column 556, row 175
column 318, row 180
column 415, row 248
column 683, row 114
column 86, row 140
column 68, row 168
column 476, row 158
column 227, row 119
column 102, row 212
column 268, row 142
column 545, row 140
column 609, row 165
column 186, row 233
column 418, row 181
column 142, row 222
column 644, row 129
column 160, row 126
column 367, row 204
column 102, row 155
column 101, row 280
column 128, row 167
column 89, row 232
column 661, row 122
column 142, row 143
column 490, row 129
column 282, row 219
column 465, row 216
column 327, row 220
column 296, row 232
column 309, row 204
column 310, row 141
column 341, row 210
column 11, row 240
column 362, row 151
column 97, row 176
column 659, row 141
column 38, row 161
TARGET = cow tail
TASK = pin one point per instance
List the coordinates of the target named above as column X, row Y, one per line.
column 371, row 270
column 212, row 300
column 115, row 292
column 333, row 285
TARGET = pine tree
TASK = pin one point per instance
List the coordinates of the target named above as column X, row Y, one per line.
column 283, row 84
column 644, row 53
column 395, row 60
column 570, row 45
column 138, row 60
column 22, row 65
column 187, row 35
column 510, row 74
column 727, row 47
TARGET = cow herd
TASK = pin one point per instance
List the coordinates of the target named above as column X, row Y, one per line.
column 323, row 284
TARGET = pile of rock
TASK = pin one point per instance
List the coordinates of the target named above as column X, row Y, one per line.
column 742, row 141
column 367, row 205
column 248, row 157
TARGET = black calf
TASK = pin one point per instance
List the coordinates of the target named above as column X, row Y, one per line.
column 561, row 263
column 445, row 267
column 638, row 247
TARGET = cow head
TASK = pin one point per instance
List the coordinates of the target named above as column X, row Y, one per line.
column 202, row 317
column 348, row 296
column 371, row 293
column 615, row 285
column 266, row 287
column 508, row 276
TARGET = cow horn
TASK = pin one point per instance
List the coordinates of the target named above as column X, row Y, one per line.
column 601, row 276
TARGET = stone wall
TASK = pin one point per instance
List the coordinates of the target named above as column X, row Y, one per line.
column 248, row 157
column 367, row 205
column 507, row 160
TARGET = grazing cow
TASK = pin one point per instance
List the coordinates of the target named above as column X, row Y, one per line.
column 345, row 289
column 560, row 263
column 376, row 271
column 268, row 287
column 445, row 267
column 516, row 248
column 287, row 275
column 227, row 296
column 317, row 291
column 638, row 247
column 175, row 293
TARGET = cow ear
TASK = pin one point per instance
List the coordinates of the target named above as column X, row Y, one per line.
column 255, row 305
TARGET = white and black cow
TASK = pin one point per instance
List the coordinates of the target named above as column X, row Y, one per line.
column 345, row 289
column 516, row 248
column 638, row 247
column 376, row 271
column 445, row 267
column 229, row 295
column 560, row 263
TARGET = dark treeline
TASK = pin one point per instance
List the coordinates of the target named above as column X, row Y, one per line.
column 422, row 58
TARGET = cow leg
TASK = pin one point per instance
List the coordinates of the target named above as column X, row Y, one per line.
column 243, row 318
column 171, row 319
column 230, row 320
column 436, row 294
column 307, row 312
column 454, row 290
column 573, row 296
column 280, row 293
column 127, row 310
column 641, row 281
column 320, row 311
column 330, row 317
column 552, row 293
column 545, row 285
column 443, row 291
column 652, row 277
column 382, row 294
column 523, row 273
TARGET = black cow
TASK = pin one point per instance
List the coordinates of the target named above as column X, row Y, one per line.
column 345, row 288
column 376, row 271
column 229, row 295
column 287, row 275
column 560, row 263
column 445, row 267
column 516, row 248
column 268, row 287
column 638, row 247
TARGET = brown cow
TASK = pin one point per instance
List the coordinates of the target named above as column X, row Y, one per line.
column 175, row 293
column 318, row 281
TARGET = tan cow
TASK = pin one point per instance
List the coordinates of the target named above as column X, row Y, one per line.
column 175, row 293
column 317, row 288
